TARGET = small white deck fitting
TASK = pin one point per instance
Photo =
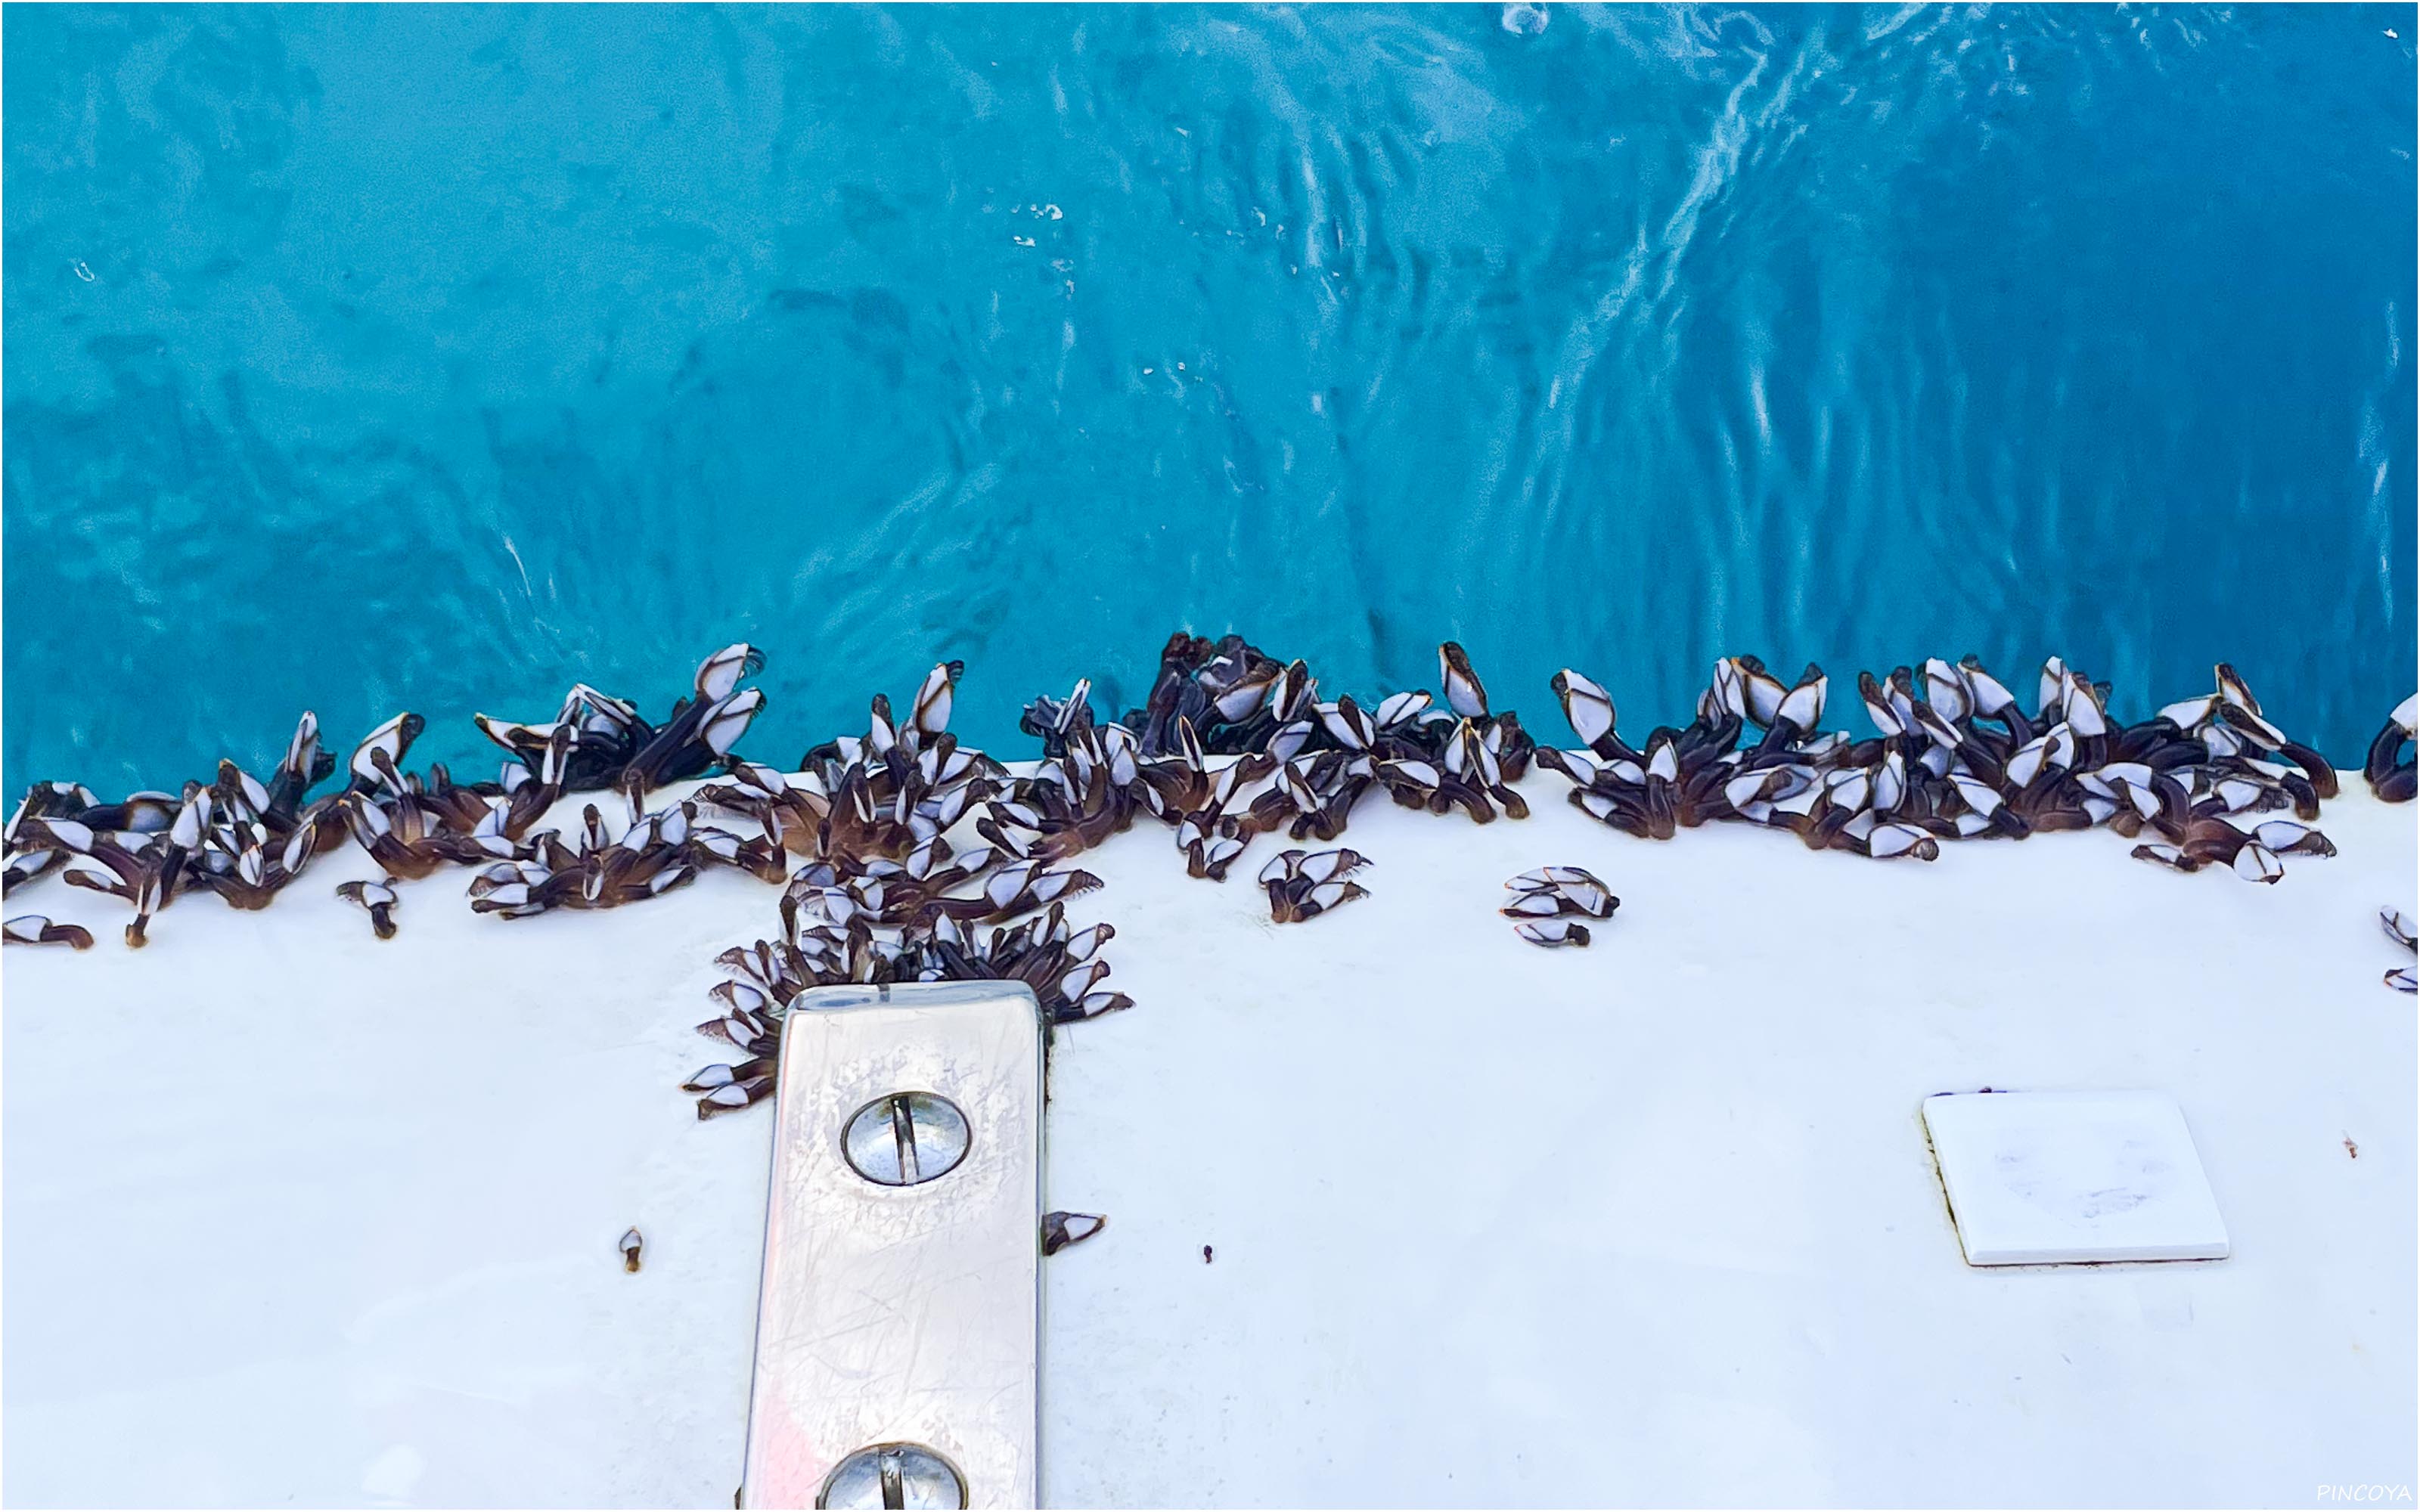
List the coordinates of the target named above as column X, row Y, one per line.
column 2072, row 1177
column 899, row 1321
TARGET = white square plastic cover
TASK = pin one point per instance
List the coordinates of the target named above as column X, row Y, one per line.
column 2072, row 1177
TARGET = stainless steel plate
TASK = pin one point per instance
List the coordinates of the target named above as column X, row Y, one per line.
column 896, row 1314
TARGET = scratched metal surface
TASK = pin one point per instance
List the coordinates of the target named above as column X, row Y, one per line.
column 912, row 1314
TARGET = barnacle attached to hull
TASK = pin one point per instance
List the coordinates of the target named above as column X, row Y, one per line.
column 1964, row 761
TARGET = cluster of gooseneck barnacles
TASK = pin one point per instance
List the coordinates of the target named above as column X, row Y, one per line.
column 1232, row 744
column 1303, row 885
column 1301, row 763
column 885, row 896
column 1966, row 760
column 1549, row 902
column 247, row 839
column 238, row 836
column 883, row 883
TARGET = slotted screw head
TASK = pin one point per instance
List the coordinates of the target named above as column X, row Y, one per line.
column 893, row 1475
column 906, row 1138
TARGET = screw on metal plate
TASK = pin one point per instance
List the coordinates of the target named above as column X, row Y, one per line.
column 893, row 1475
column 906, row 1138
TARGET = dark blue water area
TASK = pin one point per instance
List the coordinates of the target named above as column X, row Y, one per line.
column 364, row 359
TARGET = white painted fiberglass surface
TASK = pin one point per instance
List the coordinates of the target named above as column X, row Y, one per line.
column 295, row 1215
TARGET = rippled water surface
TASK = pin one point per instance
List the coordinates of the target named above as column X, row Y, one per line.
column 396, row 357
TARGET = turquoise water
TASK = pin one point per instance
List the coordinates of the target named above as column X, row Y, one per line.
column 394, row 357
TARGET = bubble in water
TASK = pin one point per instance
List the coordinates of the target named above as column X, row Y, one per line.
column 1525, row 19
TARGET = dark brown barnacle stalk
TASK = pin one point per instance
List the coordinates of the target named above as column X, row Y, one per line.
column 2390, row 768
column 32, row 928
